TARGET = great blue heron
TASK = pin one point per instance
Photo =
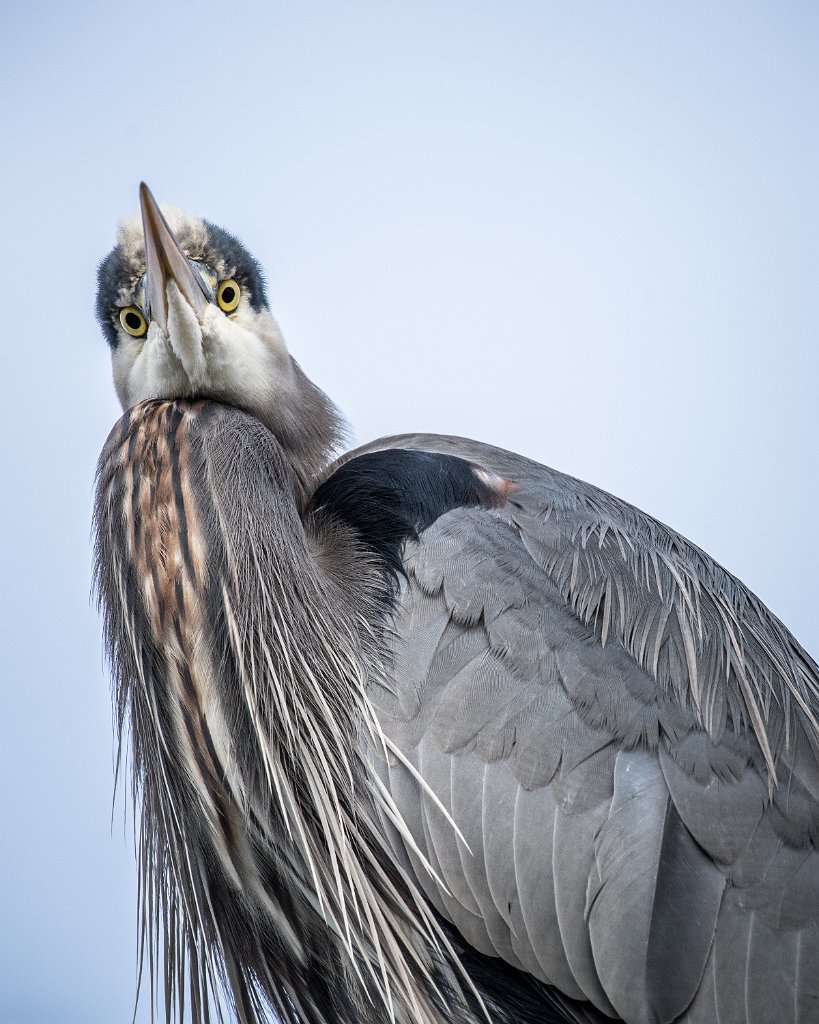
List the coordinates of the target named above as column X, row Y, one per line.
column 430, row 733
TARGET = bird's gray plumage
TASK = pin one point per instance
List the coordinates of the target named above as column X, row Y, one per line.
column 432, row 738
column 626, row 738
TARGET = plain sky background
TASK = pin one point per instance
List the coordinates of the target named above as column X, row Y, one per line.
column 584, row 231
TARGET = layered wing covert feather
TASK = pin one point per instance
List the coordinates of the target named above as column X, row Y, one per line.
column 626, row 739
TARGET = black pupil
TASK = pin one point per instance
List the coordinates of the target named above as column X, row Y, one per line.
column 228, row 295
column 133, row 320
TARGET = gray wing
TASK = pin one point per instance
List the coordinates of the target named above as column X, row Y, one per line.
column 626, row 739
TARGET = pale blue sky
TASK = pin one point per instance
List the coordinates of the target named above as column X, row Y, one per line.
column 584, row 231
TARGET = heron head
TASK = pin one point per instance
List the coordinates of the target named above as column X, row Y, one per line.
column 182, row 304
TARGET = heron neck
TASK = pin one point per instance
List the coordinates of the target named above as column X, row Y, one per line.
column 308, row 429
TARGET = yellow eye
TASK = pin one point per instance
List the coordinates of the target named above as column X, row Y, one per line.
column 133, row 321
column 227, row 295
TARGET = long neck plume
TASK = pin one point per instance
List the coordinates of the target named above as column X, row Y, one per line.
column 241, row 665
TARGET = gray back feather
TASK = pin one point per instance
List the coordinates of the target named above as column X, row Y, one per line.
column 625, row 737
column 709, row 642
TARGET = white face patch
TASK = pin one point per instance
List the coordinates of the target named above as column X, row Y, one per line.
column 238, row 358
column 148, row 368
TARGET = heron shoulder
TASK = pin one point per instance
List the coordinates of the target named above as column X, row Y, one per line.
column 389, row 497
column 709, row 643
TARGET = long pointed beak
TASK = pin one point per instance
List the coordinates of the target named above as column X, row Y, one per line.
column 166, row 262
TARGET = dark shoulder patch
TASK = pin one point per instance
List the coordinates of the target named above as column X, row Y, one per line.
column 391, row 496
